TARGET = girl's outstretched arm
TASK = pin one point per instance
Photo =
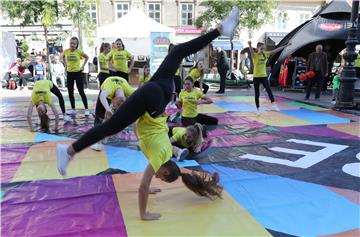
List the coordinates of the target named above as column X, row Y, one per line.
column 144, row 194
column 53, row 108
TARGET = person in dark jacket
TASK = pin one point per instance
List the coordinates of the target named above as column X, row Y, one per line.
column 318, row 63
column 222, row 67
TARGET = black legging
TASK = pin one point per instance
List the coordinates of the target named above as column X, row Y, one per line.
column 223, row 69
column 205, row 87
column 152, row 97
column 102, row 77
column 22, row 81
column 120, row 74
column 78, row 78
column 58, row 94
column 200, row 118
column 316, row 81
column 264, row 81
column 177, row 80
column 100, row 111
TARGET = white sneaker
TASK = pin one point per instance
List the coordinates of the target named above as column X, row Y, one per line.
column 67, row 118
column 275, row 107
column 87, row 112
column 183, row 153
column 229, row 23
column 71, row 112
column 258, row 112
column 97, row 147
column 63, row 158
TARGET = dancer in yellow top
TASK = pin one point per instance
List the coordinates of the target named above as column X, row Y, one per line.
column 113, row 91
column 40, row 97
column 259, row 60
column 196, row 74
column 118, row 60
column 190, row 98
column 104, row 62
column 72, row 60
column 145, row 77
column 146, row 106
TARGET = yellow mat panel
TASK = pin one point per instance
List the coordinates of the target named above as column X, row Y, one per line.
column 273, row 118
column 349, row 128
column 209, row 108
column 40, row 163
column 10, row 135
column 183, row 213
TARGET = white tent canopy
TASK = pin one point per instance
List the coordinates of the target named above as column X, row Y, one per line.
column 134, row 29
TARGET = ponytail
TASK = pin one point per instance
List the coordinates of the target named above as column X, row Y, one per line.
column 44, row 122
column 201, row 184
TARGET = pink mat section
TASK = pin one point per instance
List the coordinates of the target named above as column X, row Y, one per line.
column 11, row 158
column 237, row 119
column 85, row 206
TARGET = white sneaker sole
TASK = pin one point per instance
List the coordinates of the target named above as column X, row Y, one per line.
column 62, row 158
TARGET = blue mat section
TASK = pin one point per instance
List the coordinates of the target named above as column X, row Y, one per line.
column 235, row 106
column 43, row 137
column 289, row 206
column 132, row 160
column 314, row 117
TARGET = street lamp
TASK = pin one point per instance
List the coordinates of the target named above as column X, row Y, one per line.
column 348, row 76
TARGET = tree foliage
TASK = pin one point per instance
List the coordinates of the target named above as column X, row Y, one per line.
column 45, row 12
column 77, row 12
column 253, row 14
column 48, row 12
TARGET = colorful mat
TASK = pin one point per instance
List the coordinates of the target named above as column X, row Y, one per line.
column 288, row 173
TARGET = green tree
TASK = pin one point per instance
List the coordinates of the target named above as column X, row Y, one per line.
column 45, row 12
column 24, row 49
column 77, row 11
column 48, row 12
column 253, row 14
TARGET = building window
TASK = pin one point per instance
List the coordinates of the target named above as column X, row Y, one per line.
column 121, row 9
column 92, row 12
column 187, row 14
column 154, row 11
column 302, row 17
column 280, row 21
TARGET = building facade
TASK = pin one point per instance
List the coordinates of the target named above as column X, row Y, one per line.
column 179, row 14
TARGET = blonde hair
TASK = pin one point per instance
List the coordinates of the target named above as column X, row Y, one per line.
column 197, row 131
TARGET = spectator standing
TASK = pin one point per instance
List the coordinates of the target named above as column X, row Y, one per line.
column 318, row 63
column 222, row 67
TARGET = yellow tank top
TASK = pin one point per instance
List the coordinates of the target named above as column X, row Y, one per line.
column 111, row 84
column 73, row 59
column 188, row 99
column 154, row 140
column 41, row 92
